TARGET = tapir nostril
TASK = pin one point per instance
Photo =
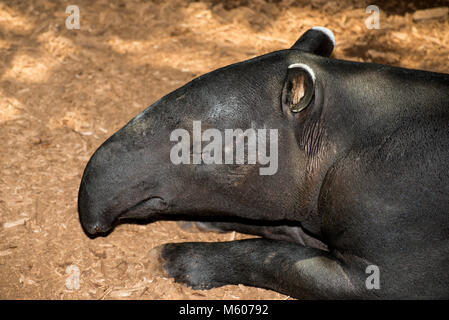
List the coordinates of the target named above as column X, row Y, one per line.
column 96, row 229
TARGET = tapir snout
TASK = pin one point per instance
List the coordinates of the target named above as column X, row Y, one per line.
column 121, row 180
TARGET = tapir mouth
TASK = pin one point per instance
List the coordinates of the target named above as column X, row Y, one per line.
column 144, row 208
column 147, row 208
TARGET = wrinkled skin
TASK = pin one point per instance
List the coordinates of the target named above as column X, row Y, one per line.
column 362, row 179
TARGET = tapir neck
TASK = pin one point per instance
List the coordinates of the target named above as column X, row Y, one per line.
column 374, row 100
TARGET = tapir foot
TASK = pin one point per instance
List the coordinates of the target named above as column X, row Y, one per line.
column 186, row 263
column 285, row 267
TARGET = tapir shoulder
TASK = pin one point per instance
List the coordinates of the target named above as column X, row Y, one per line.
column 394, row 187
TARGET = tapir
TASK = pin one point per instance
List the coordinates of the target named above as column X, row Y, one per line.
column 358, row 207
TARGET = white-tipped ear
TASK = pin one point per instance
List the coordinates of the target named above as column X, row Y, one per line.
column 299, row 87
column 327, row 32
column 317, row 40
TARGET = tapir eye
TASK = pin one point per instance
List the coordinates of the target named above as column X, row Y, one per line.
column 299, row 87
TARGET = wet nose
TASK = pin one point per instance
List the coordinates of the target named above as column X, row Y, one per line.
column 98, row 229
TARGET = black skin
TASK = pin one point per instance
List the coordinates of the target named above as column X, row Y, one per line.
column 362, row 172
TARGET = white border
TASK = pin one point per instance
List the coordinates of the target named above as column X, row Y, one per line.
column 305, row 67
column 327, row 32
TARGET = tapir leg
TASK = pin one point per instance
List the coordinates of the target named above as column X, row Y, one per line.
column 282, row 266
column 280, row 232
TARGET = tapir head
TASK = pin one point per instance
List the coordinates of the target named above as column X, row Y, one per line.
column 233, row 142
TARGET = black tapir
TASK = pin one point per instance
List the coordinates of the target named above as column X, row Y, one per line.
column 357, row 205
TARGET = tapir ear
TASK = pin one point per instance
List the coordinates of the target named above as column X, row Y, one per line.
column 318, row 40
column 299, row 87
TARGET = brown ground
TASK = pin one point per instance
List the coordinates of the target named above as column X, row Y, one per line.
column 63, row 92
